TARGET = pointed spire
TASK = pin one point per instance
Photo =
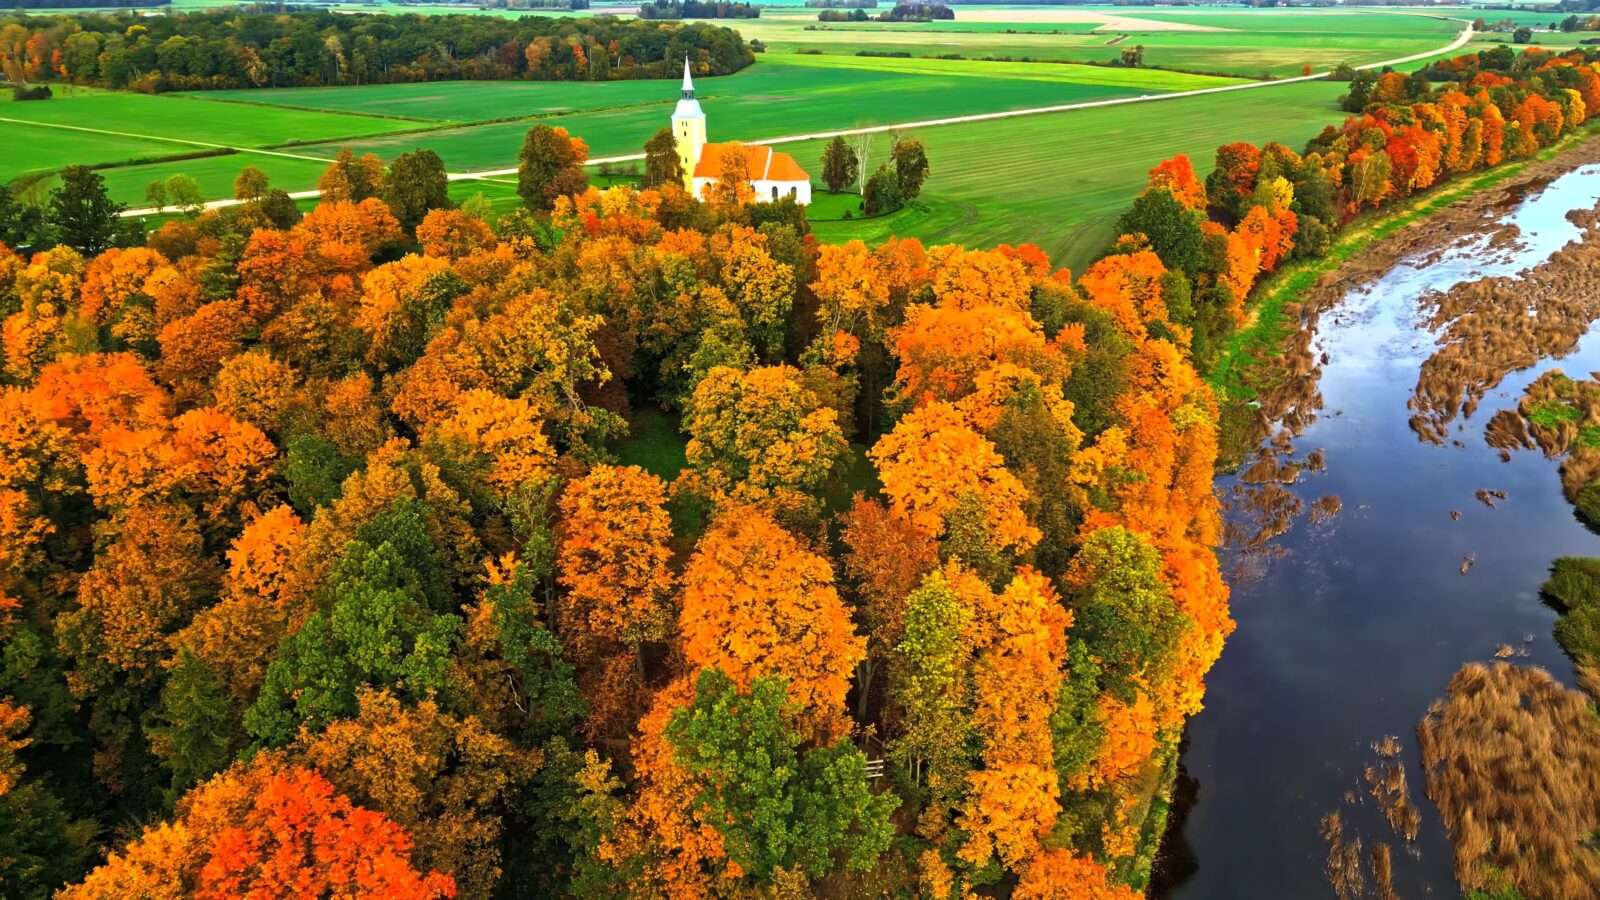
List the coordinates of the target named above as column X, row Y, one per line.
column 688, row 83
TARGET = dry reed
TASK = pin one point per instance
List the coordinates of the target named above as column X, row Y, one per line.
column 1512, row 761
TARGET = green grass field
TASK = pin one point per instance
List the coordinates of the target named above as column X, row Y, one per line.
column 215, row 175
column 44, row 149
column 104, row 128
column 1142, row 80
column 1059, row 180
column 1248, row 42
column 774, row 98
column 1062, row 180
column 460, row 101
column 194, row 119
column 835, row 85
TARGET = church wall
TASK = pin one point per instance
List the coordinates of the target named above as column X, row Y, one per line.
column 764, row 189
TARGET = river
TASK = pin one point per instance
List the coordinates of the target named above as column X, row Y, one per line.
column 1351, row 623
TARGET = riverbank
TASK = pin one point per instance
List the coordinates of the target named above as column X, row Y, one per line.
column 1366, row 248
column 1375, row 544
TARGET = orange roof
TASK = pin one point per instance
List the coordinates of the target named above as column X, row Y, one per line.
column 763, row 163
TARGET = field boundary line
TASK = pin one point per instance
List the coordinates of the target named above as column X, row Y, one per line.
column 208, row 145
column 456, row 125
column 396, row 117
column 1460, row 41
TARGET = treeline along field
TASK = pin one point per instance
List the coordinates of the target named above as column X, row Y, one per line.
column 187, row 51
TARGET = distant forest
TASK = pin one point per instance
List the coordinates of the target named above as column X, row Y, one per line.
column 917, row 11
column 79, row 4
column 698, row 9
column 199, row 51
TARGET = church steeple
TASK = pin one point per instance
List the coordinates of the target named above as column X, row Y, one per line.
column 688, row 128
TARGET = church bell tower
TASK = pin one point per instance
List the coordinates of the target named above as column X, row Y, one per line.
column 688, row 129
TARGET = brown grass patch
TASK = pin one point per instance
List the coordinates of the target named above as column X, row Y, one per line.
column 1386, row 782
column 1344, row 859
column 1561, row 417
column 1494, row 326
column 1325, row 508
column 1383, row 872
column 1512, row 761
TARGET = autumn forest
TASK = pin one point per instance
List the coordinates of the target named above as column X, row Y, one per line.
column 339, row 555
column 321, row 567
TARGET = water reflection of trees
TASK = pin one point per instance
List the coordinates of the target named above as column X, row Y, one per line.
column 1486, row 329
column 1259, row 503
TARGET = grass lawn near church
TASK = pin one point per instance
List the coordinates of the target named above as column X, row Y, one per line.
column 1062, row 180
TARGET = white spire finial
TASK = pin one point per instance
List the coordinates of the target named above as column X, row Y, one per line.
column 688, row 83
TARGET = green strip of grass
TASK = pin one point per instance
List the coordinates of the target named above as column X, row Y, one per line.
column 1154, row 80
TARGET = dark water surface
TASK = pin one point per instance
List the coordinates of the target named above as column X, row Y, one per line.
column 1359, row 622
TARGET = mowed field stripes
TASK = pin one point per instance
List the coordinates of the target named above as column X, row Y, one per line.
column 480, row 125
column 1054, row 180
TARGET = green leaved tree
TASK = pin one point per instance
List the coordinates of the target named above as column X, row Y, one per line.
column 382, row 623
column 417, row 184
column 550, row 166
column 910, row 167
column 82, row 214
column 661, row 163
column 779, row 804
column 840, row 167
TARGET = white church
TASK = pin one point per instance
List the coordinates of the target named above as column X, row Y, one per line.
column 773, row 175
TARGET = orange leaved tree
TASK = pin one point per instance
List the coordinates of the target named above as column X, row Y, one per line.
column 756, row 602
column 266, row 829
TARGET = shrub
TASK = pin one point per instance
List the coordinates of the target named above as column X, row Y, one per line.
column 1587, row 504
column 882, row 193
column 1574, row 582
column 31, row 92
column 1313, row 240
column 1578, row 633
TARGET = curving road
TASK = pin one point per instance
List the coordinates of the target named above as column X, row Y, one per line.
column 1459, row 42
